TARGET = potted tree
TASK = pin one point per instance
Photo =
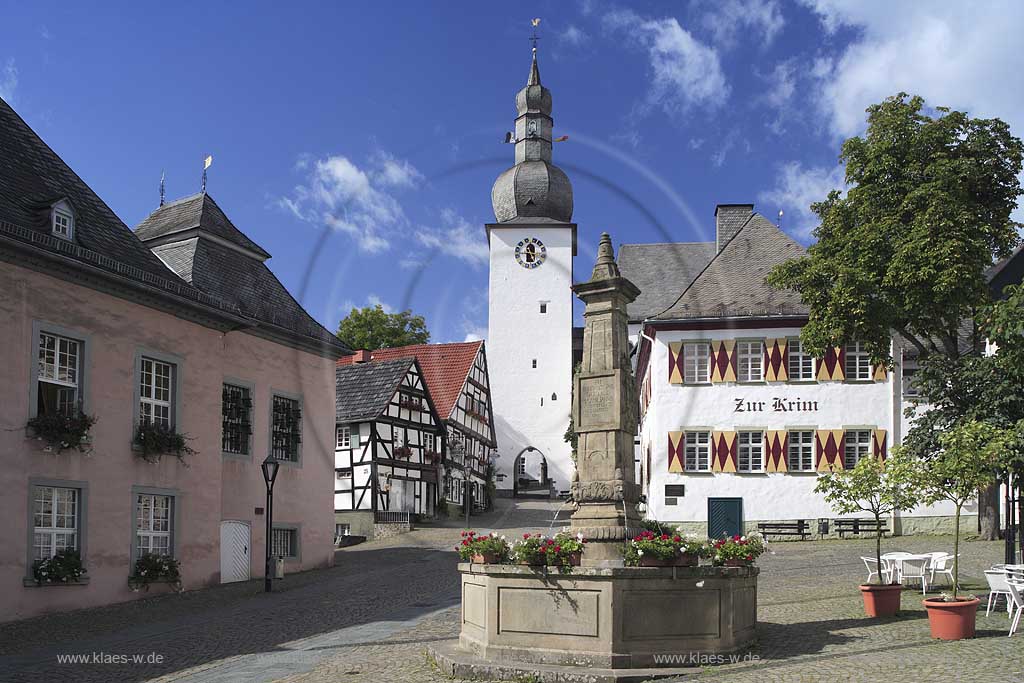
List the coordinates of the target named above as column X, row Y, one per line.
column 879, row 488
column 968, row 461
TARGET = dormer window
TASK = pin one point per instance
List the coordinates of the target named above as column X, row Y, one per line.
column 63, row 220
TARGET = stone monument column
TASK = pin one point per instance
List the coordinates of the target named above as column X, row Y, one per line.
column 604, row 415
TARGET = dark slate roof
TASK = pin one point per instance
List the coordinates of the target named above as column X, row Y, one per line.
column 661, row 271
column 33, row 178
column 246, row 283
column 363, row 390
column 1006, row 272
column 733, row 283
column 198, row 212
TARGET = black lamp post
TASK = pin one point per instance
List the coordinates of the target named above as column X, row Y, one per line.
column 269, row 467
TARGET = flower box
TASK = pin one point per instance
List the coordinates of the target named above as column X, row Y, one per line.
column 62, row 432
column 483, row 548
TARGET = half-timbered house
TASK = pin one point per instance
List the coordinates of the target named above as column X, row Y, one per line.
column 457, row 378
column 389, row 444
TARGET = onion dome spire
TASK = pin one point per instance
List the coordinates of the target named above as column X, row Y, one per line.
column 534, row 187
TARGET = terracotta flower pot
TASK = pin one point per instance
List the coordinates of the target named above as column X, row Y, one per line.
column 951, row 620
column 575, row 558
column 688, row 560
column 485, row 558
column 535, row 560
column 881, row 601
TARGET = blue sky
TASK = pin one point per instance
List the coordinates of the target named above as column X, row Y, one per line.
column 357, row 142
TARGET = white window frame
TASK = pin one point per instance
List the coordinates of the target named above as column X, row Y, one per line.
column 795, row 355
column 750, row 361
column 696, row 362
column 156, row 403
column 62, row 224
column 343, row 436
column 700, row 443
column 747, row 448
column 53, row 524
column 859, row 449
column 429, row 442
column 59, row 363
column 856, row 353
column 154, row 533
column 803, row 447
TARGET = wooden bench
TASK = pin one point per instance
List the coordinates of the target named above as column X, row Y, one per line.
column 857, row 526
column 798, row 528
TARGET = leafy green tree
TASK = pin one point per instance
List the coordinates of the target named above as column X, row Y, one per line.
column 905, row 253
column 372, row 328
column 873, row 486
column 969, row 459
column 907, row 248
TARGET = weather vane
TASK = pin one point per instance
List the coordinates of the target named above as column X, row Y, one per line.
column 534, row 38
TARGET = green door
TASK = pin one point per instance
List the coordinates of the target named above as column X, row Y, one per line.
column 725, row 517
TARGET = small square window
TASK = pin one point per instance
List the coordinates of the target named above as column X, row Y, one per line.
column 544, row 308
column 344, row 437
column 63, row 224
column 535, row 362
column 284, row 543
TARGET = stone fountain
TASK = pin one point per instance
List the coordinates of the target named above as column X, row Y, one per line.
column 601, row 621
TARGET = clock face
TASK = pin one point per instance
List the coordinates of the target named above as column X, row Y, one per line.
column 530, row 252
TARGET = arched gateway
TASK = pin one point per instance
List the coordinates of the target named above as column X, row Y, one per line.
column 530, row 474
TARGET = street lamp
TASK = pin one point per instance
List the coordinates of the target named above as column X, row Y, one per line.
column 270, row 467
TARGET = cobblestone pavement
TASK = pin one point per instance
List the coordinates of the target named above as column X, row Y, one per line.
column 370, row 618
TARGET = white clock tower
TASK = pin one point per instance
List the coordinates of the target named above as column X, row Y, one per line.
column 529, row 338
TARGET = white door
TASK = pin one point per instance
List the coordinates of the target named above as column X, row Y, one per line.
column 234, row 551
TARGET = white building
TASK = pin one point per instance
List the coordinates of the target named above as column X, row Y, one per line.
column 736, row 421
column 532, row 244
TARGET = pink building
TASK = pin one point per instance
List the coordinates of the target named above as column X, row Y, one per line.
column 182, row 328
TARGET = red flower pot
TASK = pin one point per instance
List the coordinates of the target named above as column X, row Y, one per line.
column 881, row 601
column 485, row 558
column 535, row 560
column 951, row 620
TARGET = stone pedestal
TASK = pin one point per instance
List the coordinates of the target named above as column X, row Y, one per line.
column 604, row 415
column 612, row 619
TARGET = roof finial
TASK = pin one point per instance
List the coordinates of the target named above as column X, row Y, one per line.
column 534, row 38
column 605, row 267
column 162, row 175
column 206, row 164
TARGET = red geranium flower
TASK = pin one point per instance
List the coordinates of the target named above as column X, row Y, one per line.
column 558, row 548
column 465, row 542
column 526, row 535
column 676, row 539
column 750, row 557
column 664, row 537
column 736, row 537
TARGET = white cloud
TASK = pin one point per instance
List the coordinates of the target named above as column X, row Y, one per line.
column 962, row 55
column 574, row 36
column 796, row 189
column 44, row 33
column 758, row 20
column 371, row 301
column 456, row 237
column 357, row 201
column 684, row 71
column 725, row 146
column 8, row 80
column 394, row 172
column 779, row 95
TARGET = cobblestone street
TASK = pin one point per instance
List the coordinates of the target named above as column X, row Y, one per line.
column 371, row 616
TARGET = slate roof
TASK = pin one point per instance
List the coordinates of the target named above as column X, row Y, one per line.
column 733, row 283
column 242, row 279
column 1006, row 272
column 364, row 390
column 33, row 178
column 445, row 368
column 196, row 212
column 661, row 271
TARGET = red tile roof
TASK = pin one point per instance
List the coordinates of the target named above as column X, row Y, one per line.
column 445, row 368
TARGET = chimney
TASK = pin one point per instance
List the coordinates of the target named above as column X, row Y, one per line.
column 361, row 356
column 729, row 218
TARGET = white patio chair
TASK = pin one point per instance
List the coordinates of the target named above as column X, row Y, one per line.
column 895, row 561
column 916, row 568
column 872, row 567
column 997, row 586
column 1017, row 595
column 942, row 563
